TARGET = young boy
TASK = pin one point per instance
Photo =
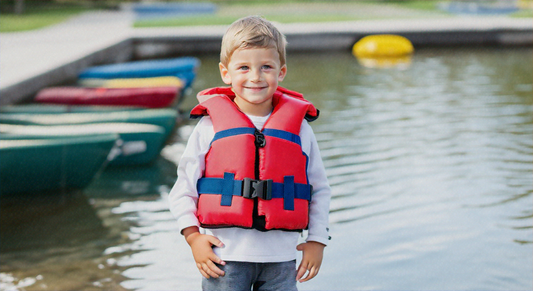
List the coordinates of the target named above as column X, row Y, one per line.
column 251, row 177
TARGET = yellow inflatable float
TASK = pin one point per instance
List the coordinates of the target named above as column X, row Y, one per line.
column 383, row 51
column 382, row 45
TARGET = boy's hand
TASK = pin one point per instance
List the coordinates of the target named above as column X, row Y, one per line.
column 202, row 251
column 311, row 260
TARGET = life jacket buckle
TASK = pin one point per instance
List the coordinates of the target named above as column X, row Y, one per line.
column 260, row 140
column 257, row 188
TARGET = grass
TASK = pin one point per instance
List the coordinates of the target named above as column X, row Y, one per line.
column 298, row 11
column 523, row 13
column 421, row 5
column 291, row 11
column 36, row 19
column 39, row 14
column 226, row 20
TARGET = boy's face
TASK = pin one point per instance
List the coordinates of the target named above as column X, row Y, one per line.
column 253, row 74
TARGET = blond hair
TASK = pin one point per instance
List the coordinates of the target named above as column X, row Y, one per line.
column 252, row 32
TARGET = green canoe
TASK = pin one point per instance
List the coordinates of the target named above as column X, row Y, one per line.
column 34, row 164
column 137, row 144
column 58, row 108
column 165, row 118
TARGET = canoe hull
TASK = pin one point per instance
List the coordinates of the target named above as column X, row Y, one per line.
column 163, row 117
column 36, row 108
column 149, row 97
column 137, row 143
column 183, row 68
column 32, row 164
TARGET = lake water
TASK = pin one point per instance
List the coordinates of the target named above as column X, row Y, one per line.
column 430, row 166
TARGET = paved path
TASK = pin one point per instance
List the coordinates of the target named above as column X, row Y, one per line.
column 35, row 59
column 25, row 55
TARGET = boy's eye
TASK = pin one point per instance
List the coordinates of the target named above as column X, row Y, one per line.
column 244, row 68
column 266, row 67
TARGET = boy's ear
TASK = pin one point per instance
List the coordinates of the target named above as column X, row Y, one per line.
column 224, row 74
column 282, row 73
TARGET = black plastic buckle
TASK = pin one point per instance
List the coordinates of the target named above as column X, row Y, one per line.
column 257, row 188
column 260, row 140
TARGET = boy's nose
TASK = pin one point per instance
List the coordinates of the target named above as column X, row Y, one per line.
column 256, row 76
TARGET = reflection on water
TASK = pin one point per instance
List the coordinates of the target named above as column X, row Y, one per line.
column 430, row 166
column 54, row 242
column 432, row 173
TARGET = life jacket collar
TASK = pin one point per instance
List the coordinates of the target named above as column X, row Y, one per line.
column 227, row 92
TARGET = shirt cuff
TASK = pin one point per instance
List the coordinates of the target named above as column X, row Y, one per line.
column 187, row 221
column 318, row 239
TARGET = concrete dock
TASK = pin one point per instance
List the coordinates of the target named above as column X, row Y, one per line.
column 30, row 61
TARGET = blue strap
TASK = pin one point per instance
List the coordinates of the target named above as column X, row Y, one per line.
column 301, row 191
column 288, row 193
column 216, row 186
column 221, row 186
column 267, row 131
column 232, row 132
column 289, row 136
column 227, row 189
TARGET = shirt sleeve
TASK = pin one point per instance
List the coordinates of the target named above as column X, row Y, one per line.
column 183, row 196
column 320, row 198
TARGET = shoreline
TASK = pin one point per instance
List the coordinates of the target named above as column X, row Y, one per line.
column 63, row 50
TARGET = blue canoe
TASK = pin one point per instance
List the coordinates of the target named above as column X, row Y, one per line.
column 34, row 164
column 470, row 7
column 156, row 10
column 183, row 68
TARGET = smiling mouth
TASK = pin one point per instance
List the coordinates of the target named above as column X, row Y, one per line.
column 255, row 88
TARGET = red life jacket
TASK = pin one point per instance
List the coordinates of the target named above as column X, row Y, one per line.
column 255, row 178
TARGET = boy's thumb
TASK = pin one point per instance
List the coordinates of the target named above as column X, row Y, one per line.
column 216, row 242
column 300, row 247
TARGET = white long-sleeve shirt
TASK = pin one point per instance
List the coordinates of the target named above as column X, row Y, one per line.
column 249, row 245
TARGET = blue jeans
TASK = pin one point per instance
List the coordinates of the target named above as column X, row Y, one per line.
column 248, row 276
